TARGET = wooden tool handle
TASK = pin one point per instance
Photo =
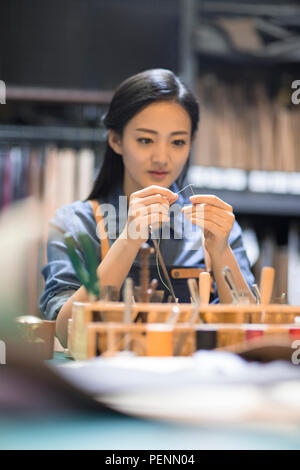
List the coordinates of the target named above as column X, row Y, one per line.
column 144, row 272
column 204, row 287
column 266, row 284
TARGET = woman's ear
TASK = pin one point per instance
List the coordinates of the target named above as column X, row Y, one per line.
column 114, row 141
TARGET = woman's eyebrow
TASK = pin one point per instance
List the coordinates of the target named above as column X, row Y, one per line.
column 155, row 132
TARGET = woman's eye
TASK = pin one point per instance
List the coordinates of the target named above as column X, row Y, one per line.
column 144, row 140
column 179, row 142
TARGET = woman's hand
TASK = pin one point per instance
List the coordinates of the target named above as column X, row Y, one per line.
column 215, row 217
column 149, row 206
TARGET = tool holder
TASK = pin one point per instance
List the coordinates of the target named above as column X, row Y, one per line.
column 97, row 328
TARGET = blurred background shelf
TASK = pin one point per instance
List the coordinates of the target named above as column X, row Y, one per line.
column 50, row 134
column 252, row 204
column 19, row 93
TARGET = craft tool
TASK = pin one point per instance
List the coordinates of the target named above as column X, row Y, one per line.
column 282, row 299
column 143, row 291
column 127, row 294
column 159, row 258
column 204, row 287
column 152, row 289
column 204, row 292
column 159, row 340
column 193, row 288
column 187, row 186
column 162, row 263
column 144, row 272
column 194, row 292
column 174, row 315
column 228, row 278
column 256, row 293
column 266, row 286
column 180, row 343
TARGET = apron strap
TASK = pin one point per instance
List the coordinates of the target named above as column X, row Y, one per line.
column 104, row 243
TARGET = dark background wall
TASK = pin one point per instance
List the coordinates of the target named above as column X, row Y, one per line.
column 86, row 44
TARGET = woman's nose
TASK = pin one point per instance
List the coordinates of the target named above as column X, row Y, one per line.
column 160, row 155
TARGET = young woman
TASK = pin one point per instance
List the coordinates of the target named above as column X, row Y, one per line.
column 151, row 122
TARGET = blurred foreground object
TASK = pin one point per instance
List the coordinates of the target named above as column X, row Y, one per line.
column 37, row 335
column 20, row 227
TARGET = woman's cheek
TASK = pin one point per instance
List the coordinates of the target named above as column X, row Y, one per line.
column 180, row 165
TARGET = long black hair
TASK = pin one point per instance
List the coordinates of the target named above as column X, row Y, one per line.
column 133, row 95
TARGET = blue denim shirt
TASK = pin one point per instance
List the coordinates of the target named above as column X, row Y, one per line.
column 61, row 281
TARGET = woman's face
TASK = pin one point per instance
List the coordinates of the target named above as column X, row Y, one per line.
column 154, row 146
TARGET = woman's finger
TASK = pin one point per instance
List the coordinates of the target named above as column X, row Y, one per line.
column 208, row 226
column 220, row 217
column 154, row 189
column 151, row 209
column 212, row 200
column 150, row 220
column 223, row 223
column 207, row 209
column 153, row 199
column 139, row 227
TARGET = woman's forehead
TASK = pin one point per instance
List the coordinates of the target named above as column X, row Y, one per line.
column 163, row 114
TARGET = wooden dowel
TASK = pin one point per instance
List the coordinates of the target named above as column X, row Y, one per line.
column 188, row 308
column 204, row 287
column 266, row 284
column 266, row 287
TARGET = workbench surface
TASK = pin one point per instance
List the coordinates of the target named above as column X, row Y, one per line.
column 105, row 430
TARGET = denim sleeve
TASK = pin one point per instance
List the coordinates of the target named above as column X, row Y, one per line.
column 61, row 281
column 237, row 246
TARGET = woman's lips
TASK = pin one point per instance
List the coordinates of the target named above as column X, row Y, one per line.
column 158, row 175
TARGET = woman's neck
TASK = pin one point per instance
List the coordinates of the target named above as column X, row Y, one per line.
column 130, row 186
